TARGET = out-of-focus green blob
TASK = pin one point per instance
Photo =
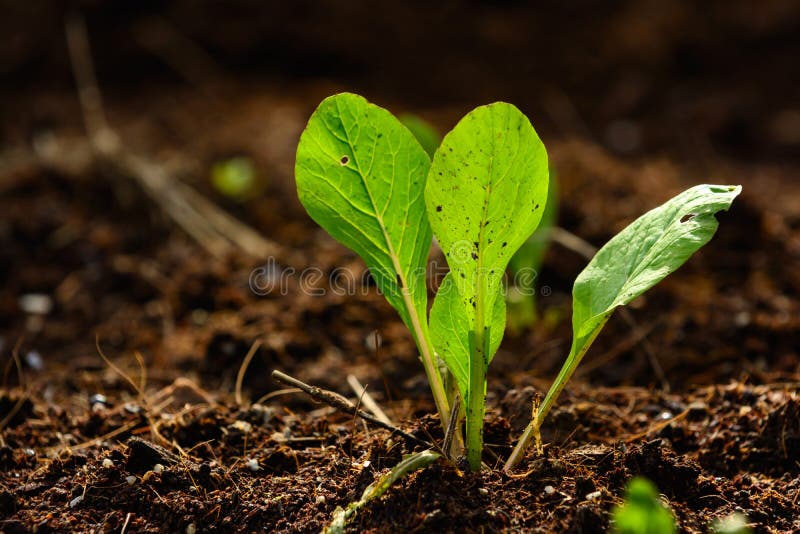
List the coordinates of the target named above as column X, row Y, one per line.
column 236, row 178
column 642, row 512
column 427, row 135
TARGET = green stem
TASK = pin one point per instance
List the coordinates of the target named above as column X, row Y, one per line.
column 477, row 385
column 577, row 352
column 429, row 363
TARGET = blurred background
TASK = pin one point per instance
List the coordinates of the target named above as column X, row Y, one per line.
column 635, row 100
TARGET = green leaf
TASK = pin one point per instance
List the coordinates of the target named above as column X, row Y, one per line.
column 636, row 259
column 361, row 176
column 642, row 512
column 409, row 464
column 485, row 195
column 451, row 327
column 531, row 253
column 633, row 261
column 424, row 131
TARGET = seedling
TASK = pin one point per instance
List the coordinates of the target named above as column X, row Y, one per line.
column 642, row 512
column 633, row 261
column 364, row 177
column 485, row 195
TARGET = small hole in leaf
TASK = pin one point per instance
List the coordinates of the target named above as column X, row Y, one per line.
column 344, row 160
column 687, row 217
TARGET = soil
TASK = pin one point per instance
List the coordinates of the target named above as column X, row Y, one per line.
column 135, row 363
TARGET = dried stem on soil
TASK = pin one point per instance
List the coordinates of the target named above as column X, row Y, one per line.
column 335, row 400
column 217, row 231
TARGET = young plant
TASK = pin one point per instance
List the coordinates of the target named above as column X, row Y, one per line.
column 364, row 177
column 633, row 261
column 486, row 192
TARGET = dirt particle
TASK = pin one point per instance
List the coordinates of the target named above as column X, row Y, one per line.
column 439, row 208
column 688, row 217
column 344, row 160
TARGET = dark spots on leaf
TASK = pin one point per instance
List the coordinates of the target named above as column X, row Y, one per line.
column 489, row 241
column 440, row 174
column 380, row 135
column 399, row 282
column 504, row 244
column 451, row 149
column 438, row 208
column 687, row 217
column 462, row 275
column 474, row 255
column 475, row 244
column 536, row 207
column 344, row 160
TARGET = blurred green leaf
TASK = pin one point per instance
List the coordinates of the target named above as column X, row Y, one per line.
column 427, row 135
column 642, row 512
column 235, row 178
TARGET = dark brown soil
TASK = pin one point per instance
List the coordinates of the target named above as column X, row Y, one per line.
column 713, row 98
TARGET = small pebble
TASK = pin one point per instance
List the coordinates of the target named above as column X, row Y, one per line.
column 252, row 464
column 483, row 491
column 242, row 426
column 665, row 415
column 190, row 528
column 98, row 398
column 34, row 360
column 30, row 452
column 132, row 408
column 320, row 499
column 549, row 490
column 131, row 480
column 593, row 496
column 36, row 303
column 367, row 464
column 158, row 468
column 108, row 462
column 76, row 501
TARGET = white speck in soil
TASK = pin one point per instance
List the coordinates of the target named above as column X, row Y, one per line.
column 252, row 465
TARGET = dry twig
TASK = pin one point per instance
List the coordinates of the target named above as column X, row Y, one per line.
column 335, row 400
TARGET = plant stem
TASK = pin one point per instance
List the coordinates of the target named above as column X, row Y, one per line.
column 477, row 385
column 429, row 363
column 577, row 352
column 475, row 410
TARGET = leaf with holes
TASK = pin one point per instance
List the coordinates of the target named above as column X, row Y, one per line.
column 361, row 175
column 633, row 261
column 486, row 192
column 449, row 324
